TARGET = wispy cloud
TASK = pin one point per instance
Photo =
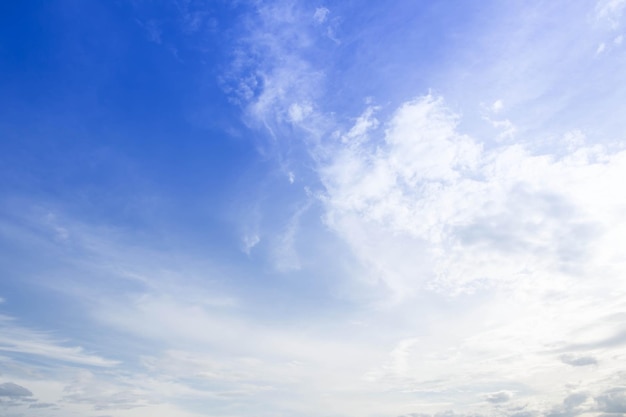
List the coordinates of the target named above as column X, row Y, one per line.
column 430, row 207
column 42, row 345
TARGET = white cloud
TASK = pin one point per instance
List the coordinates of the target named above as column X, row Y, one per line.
column 284, row 91
column 18, row 339
column 497, row 106
column 427, row 207
column 502, row 234
column 610, row 10
column 473, row 215
column 321, row 14
column 298, row 112
column 200, row 349
column 249, row 242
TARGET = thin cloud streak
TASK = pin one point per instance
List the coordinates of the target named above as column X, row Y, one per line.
column 19, row 339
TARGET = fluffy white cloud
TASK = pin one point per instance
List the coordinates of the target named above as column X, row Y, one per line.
column 459, row 215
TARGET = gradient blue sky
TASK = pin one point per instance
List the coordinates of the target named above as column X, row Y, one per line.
column 290, row 208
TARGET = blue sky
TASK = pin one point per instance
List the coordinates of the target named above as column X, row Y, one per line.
column 290, row 208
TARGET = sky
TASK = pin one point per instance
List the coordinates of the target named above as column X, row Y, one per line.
column 317, row 209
